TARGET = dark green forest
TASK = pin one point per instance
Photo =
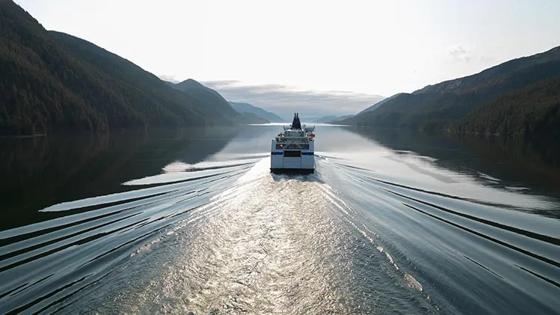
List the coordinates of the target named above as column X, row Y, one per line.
column 52, row 81
column 518, row 97
column 534, row 110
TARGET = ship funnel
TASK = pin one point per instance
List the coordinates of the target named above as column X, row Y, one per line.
column 296, row 124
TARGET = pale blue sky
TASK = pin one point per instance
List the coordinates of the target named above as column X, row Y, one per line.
column 372, row 47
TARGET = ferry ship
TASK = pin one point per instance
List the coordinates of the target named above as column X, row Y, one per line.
column 293, row 149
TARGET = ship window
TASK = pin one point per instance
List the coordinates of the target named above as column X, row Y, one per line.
column 301, row 146
column 292, row 153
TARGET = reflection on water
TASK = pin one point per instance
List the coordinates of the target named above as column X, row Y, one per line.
column 512, row 163
column 194, row 221
column 41, row 171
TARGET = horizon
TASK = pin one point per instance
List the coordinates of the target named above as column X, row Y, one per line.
column 337, row 61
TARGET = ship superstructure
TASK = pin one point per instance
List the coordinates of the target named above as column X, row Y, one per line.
column 293, row 149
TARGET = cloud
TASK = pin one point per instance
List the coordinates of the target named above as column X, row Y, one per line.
column 284, row 100
column 459, row 52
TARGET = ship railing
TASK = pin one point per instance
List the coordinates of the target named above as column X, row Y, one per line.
column 308, row 129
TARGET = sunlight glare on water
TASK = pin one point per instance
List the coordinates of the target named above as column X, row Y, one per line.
column 375, row 229
column 271, row 244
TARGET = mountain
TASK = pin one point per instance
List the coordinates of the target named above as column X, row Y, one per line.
column 534, row 110
column 210, row 96
column 448, row 105
column 344, row 119
column 252, row 118
column 53, row 81
column 380, row 103
column 207, row 96
column 248, row 108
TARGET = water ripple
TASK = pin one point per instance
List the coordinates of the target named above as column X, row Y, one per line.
column 229, row 237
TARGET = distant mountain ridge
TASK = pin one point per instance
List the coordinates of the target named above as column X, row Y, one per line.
column 451, row 105
column 53, row 81
column 212, row 97
column 380, row 103
column 206, row 95
column 259, row 112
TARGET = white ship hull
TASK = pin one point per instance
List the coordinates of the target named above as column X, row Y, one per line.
column 293, row 150
column 292, row 161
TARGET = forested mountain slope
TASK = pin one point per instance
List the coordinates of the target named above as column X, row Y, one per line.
column 53, row 81
column 447, row 105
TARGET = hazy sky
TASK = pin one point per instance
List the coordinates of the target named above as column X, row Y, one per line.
column 368, row 47
column 285, row 101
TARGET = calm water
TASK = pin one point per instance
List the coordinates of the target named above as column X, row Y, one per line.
column 193, row 221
